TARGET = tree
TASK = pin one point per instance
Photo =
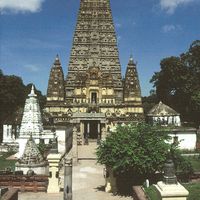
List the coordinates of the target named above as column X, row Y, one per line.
column 178, row 82
column 149, row 101
column 137, row 148
column 1, row 73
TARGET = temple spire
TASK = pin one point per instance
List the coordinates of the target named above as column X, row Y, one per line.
column 131, row 83
column 32, row 119
column 56, row 91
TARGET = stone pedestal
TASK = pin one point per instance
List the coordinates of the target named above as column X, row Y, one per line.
column 54, row 160
column 171, row 192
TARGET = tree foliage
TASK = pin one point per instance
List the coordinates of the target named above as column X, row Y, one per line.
column 149, row 102
column 139, row 148
column 178, row 82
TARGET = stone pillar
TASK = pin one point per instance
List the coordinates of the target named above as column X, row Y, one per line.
column 103, row 133
column 54, row 160
column 75, row 147
column 7, row 134
column 82, row 131
column 99, row 133
column 87, row 134
column 68, row 179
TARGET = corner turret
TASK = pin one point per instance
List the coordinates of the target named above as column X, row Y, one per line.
column 132, row 91
column 56, row 91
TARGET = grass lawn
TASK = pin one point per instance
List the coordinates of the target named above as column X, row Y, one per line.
column 193, row 188
column 195, row 161
column 6, row 163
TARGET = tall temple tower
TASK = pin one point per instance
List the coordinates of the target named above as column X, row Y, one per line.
column 94, row 89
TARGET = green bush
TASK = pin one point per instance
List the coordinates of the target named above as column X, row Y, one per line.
column 138, row 148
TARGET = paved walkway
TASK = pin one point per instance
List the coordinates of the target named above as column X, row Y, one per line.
column 88, row 180
column 38, row 196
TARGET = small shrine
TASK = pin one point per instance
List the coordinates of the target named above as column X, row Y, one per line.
column 163, row 115
column 32, row 124
column 32, row 160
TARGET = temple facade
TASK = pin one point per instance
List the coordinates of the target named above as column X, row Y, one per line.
column 94, row 94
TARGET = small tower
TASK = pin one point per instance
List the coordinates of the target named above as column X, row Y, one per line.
column 31, row 122
column 132, row 90
column 32, row 159
column 56, row 91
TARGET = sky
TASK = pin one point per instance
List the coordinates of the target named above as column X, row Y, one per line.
column 33, row 32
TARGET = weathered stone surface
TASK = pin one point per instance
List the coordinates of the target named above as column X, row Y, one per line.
column 32, row 160
column 56, row 91
column 94, row 81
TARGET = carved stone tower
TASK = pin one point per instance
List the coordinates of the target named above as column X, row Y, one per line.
column 95, row 95
column 132, row 92
column 95, row 46
column 56, row 90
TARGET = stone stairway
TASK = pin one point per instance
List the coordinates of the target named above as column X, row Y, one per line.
column 88, row 180
column 87, row 152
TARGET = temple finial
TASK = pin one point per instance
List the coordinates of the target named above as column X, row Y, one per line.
column 131, row 57
column 57, row 61
column 57, row 57
column 32, row 94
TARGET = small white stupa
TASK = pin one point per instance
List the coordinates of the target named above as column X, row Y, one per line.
column 32, row 124
column 31, row 120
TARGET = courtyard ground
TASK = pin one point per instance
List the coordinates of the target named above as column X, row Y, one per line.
column 88, row 180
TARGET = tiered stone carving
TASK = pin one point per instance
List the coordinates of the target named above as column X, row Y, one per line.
column 32, row 124
column 56, row 91
column 31, row 120
column 32, row 159
column 94, row 82
column 132, row 90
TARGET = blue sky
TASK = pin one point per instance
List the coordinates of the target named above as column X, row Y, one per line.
column 32, row 33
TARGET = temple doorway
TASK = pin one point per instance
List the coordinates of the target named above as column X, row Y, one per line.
column 91, row 129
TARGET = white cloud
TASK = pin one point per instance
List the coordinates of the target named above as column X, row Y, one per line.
column 16, row 6
column 170, row 5
column 32, row 68
column 170, row 27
